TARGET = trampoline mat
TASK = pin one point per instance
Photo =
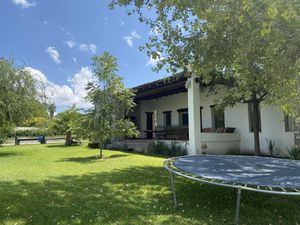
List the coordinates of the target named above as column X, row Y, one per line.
column 246, row 170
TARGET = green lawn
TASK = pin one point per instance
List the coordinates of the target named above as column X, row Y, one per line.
column 52, row 184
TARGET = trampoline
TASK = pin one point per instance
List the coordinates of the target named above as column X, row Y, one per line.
column 252, row 173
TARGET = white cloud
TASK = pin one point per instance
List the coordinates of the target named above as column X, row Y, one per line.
column 135, row 35
column 80, row 80
column 67, row 33
column 70, row 44
column 122, row 23
column 152, row 61
column 24, row 3
column 65, row 95
column 37, row 75
column 92, row 48
column 54, row 54
column 74, row 59
column 88, row 48
column 129, row 39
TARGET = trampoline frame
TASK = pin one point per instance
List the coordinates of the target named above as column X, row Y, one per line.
column 169, row 165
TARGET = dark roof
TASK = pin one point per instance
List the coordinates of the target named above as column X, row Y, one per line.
column 172, row 85
column 167, row 86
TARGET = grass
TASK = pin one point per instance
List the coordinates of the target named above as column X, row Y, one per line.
column 53, row 184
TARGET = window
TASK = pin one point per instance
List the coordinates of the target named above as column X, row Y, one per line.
column 217, row 117
column 289, row 123
column 251, row 117
column 183, row 117
column 167, row 118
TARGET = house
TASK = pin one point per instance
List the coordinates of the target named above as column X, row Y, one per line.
column 180, row 108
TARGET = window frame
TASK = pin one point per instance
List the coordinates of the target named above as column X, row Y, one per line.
column 167, row 113
column 182, row 112
column 289, row 124
column 213, row 117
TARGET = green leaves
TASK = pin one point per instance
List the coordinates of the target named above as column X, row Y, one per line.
column 19, row 98
column 111, row 102
column 256, row 43
column 70, row 120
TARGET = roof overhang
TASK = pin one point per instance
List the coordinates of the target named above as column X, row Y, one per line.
column 172, row 85
column 163, row 87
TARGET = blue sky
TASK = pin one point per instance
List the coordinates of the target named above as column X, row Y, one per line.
column 56, row 39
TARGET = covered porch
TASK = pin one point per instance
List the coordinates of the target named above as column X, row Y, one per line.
column 175, row 109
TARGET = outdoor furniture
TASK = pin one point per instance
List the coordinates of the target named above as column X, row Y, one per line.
column 177, row 132
column 40, row 139
column 252, row 173
column 155, row 133
column 218, row 130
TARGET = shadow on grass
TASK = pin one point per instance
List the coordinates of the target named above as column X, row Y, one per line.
column 9, row 154
column 53, row 145
column 90, row 159
column 135, row 195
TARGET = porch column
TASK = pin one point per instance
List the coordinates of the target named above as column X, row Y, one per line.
column 194, row 116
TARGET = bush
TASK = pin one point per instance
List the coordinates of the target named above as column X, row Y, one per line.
column 294, row 152
column 93, row 145
column 5, row 132
column 162, row 148
column 271, row 146
column 33, row 133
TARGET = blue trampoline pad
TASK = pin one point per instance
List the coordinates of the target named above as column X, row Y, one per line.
column 244, row 170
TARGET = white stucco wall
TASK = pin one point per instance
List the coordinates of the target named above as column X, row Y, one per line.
column 168, row 103
column 220, row 143
column 272, row 127
column 272, row 123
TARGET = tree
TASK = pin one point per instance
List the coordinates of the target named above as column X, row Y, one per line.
column 111, row 102
column 68, row 122
column 253, row 45
column 51, row 110
column 19, row 98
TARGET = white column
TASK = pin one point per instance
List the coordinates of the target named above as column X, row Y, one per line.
column 194, row 116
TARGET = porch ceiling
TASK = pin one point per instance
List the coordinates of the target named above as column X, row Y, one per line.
column 163, row 87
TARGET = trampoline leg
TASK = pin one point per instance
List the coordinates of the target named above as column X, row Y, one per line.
column 238, row 204
column 173, row 189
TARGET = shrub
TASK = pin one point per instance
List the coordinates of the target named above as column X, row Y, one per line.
column 294, row 152
column 271, row 147
column 162, row 148
column 5, row 132
column 93, row 145
column 33, row 133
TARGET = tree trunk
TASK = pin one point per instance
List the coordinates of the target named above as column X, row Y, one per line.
column 256, row 127
column 100, row 149
column 68, row 141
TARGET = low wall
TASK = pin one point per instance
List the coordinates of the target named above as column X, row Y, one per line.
column 211, row 143
column 182, row 143
column 135, row 144
column 220, row 143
